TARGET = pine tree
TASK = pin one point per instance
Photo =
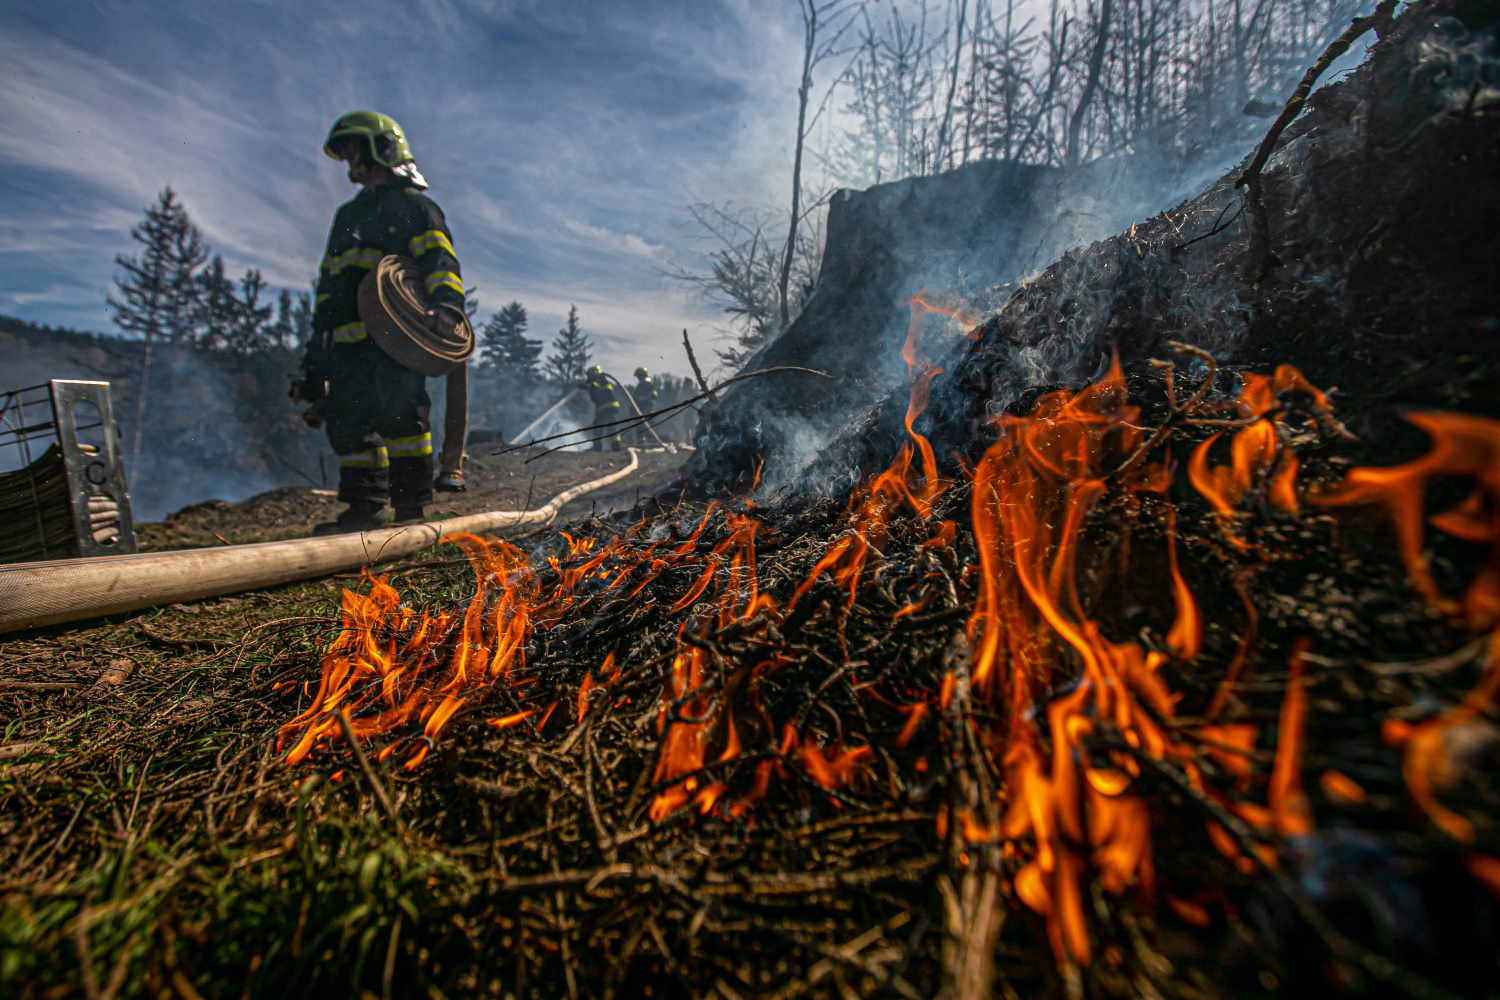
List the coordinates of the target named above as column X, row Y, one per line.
column 293, row 323
column 231, row 317
column 302, row 320
column 252, row 331
column 571, row 361
column 159, row 291
column 281, row 332
column 505, row 352
column 218, row 306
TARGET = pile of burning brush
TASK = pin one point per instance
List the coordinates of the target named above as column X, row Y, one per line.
column 968, row 736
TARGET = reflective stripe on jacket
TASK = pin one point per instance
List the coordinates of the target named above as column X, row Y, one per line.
column 601, row 392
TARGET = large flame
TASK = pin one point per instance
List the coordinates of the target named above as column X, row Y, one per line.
column 1078, row 713
column 1033, row 492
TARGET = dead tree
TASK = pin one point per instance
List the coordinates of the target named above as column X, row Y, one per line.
column 817, row 20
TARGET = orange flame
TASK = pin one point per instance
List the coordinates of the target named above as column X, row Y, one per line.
column 847, row 557
column 702, row 714
column 1463, row 446
column 1467, row 447
column 1068, row 808
column 1486, row 870
column 1253, row 451
column 730, row 569
column 1341, row 788
column 1288, row 802
column 406, row 674
column 514, row 719
column 1033, row 491
column 589, row 684
column 834, row 768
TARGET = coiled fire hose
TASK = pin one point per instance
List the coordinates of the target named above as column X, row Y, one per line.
column 46, row 593
column 394, row 309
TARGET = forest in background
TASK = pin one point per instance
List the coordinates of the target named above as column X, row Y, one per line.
column 892, row 91
column 200, row 374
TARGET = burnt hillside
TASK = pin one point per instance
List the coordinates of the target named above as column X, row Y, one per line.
column 971, row 234
column 1384, row 218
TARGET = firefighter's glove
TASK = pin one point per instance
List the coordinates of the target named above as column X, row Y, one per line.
column 313, row 415
column 306, row 390
column 448, row 317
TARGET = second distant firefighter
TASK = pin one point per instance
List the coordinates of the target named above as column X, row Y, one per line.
column 644, row 394
column 375, row 408
column 606, row 408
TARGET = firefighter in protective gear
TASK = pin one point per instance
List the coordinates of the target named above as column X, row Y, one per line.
column 644, row 394
column 606, row 407
column 376, row 409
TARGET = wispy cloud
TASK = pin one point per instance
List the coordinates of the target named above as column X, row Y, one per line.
column 561, row 138
column 51, row 295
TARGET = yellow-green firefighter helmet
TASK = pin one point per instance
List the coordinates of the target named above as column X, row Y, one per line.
column 387, row 142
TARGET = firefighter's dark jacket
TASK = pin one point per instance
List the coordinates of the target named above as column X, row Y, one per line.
column 601, row 392
column 644, row 394
column 395, row 218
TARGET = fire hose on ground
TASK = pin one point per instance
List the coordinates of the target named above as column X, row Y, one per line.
column 48, row 593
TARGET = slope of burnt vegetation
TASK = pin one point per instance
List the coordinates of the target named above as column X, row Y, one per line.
column 1381, row 201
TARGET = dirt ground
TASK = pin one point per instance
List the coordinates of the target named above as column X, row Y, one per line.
column 495, row 482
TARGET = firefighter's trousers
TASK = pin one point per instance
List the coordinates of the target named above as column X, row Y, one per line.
column 377, row 424
column 604, row 415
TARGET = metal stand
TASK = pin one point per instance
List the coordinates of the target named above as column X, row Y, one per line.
column 71, row 500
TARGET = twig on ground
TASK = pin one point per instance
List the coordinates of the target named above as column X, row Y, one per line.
column 167, row 640
column 364, row 765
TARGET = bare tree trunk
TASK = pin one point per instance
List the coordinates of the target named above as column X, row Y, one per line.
column 1096, row 63
column 1057, row 45
column 945, row 139
column 140, row 408
column 810, row 40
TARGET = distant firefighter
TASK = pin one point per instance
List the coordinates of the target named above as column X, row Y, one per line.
column 376, row 409
column 644, row 394
column 606, row 407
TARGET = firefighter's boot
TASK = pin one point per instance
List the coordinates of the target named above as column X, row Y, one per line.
column 356, row 517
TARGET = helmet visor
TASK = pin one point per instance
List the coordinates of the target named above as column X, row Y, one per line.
column 344, row 146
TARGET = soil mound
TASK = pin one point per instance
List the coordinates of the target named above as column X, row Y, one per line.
column 973, row 234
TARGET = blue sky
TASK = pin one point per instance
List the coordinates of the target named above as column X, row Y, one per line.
column 564, row 141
